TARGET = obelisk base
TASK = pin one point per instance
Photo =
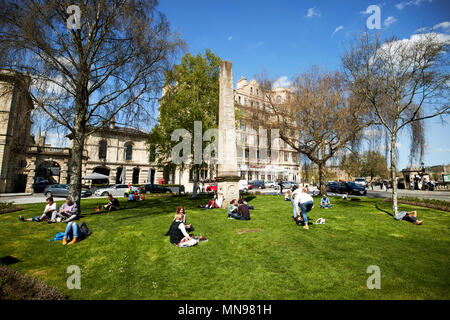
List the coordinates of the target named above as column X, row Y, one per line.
column 229, row 186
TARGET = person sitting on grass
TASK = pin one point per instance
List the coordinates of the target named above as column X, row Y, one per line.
column 181, row 209
column 242, row 213
column 325, row 202
column 216, row 202
column 178, row 234
column 232, row 208
column 67, row 212
column 75, row 233
column 245, row 202
column 50, row 208
column 345, row 196
column 131, row 197
column 305, row 202
column 410, row 216
column 287, row 195
column 113, row 203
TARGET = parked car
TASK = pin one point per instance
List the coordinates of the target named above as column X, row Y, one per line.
column 332, row 186
column 40, row 183
column 286, row 185
column 212, row 187
column 115, row 190
column 361, row 181
column 314, row 191
column 293, row 183
column 62, row 190
column 351, row 188
column 269, row 184
column 258, row 184
column 243, row 185
column 156, row 188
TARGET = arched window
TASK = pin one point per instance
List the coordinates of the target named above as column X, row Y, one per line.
column 102, row 149
column 128, row 151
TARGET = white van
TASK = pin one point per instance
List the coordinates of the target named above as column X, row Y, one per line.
column 243, row 185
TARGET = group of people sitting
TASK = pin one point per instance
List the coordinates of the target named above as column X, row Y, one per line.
column 67, row 213
column 239, row 209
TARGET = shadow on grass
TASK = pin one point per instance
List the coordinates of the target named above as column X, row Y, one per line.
column 8, row 260
column 380, row 209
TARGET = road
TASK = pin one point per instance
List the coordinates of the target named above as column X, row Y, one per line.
column 438, row 195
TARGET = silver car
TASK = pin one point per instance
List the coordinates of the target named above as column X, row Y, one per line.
column 62, row 190
column 115, row 190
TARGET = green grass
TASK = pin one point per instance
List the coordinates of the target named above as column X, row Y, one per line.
column 127, row 256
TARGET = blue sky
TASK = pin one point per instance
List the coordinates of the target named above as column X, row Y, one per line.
column 286, row 37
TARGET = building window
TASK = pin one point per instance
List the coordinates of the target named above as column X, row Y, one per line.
column 128, row 151
column 278, row 99
column 239, row 99
column 245, row 101
column 285, row 156
column 257, row 92
column 136, row 176
column 251, row 103
column 242, row 125
column 251, row 90
column 102, row 149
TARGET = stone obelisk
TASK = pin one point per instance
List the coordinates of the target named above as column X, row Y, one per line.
column 227, row 175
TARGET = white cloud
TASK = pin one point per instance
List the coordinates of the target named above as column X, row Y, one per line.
column 230, row 37
column 255, row 45
column 337, row 29
column 443, row 25
column 282, row 82
column 312, row 12
column 404, row 4
column 389, row 20
column 421, row 30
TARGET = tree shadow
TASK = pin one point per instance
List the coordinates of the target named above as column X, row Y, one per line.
column 7, row 260
column 385, row 211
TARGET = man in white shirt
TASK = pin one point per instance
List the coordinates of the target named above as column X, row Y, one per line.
column 50, row 208
column 305, row 202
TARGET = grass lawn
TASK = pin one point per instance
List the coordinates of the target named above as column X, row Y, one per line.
column 127, row 256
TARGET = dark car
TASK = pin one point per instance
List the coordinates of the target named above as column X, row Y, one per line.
column 332, row 186
column 259, row 184
column 62, row 190
column 156, row 188
column 351, row 188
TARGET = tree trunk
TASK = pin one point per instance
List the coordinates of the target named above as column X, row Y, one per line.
column 322, row 174
column 76, row 162
column 393, row 175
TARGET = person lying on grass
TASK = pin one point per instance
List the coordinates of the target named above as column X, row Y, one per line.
column 181, row 210
column 216, row 202
column 178, row 233
column 305, row 202
column 242, row 213
column 67, row 212
column 50, row 208
column 232, row 208
column 75, row 233
column 325, row 202
column 410, row 216
column 113, row 203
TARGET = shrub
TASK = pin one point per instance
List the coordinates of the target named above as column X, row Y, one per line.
column 16, row 286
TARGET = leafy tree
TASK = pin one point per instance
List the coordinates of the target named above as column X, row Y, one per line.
column 374, row 164
column 191, row 93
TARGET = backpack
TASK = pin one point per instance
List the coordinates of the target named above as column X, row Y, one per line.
column 85, row 230
column 58, row 236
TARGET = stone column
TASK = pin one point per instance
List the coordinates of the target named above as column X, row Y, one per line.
column 31, row 174
column 228, row 174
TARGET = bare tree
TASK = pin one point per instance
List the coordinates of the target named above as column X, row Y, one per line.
column 110, row 64
column 316, row 117
column 403, row 82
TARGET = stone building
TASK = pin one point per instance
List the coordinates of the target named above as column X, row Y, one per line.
column 120, row 153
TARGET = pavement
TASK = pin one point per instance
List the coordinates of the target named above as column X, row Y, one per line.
column 24, row 198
